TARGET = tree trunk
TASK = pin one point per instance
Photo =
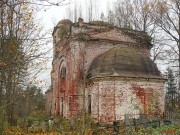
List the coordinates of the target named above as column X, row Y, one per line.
column 179, row 64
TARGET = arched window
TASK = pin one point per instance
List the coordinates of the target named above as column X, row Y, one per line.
column 63, row 72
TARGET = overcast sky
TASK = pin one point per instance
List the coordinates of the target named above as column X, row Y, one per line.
column 53, row 15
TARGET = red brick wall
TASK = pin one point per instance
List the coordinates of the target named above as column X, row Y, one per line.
column 112, row 99
column 70, row 86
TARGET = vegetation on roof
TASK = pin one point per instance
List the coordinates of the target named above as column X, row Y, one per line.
column 101, row 23
column 62, row 32
column 147, row 38
column 139, row 35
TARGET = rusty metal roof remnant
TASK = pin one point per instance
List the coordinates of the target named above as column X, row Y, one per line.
column 123, row 62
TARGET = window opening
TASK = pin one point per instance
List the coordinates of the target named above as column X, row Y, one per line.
column 61, row 106
column 69, row 103
column 63, row 72
column 89, row 104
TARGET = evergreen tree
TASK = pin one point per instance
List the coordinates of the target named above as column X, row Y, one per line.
column 171, row 91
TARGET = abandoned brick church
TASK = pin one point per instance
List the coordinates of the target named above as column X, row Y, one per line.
column 104, row 70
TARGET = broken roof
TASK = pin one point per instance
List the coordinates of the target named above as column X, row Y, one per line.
column 99, row 30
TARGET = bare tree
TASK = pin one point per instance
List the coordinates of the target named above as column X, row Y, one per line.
column 90, row 11
column 167, row 17
column 123, row 11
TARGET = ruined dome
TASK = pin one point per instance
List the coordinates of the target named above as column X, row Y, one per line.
column 125, row 62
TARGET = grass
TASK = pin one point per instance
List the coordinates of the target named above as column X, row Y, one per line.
column 163, row 130
column 61, row 126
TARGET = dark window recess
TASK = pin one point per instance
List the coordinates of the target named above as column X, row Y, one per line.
column 63, row 72
column 61, row 106
column 69, row 103
column 89, row 104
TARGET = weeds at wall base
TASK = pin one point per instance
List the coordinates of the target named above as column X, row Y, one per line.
column 60, row 126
